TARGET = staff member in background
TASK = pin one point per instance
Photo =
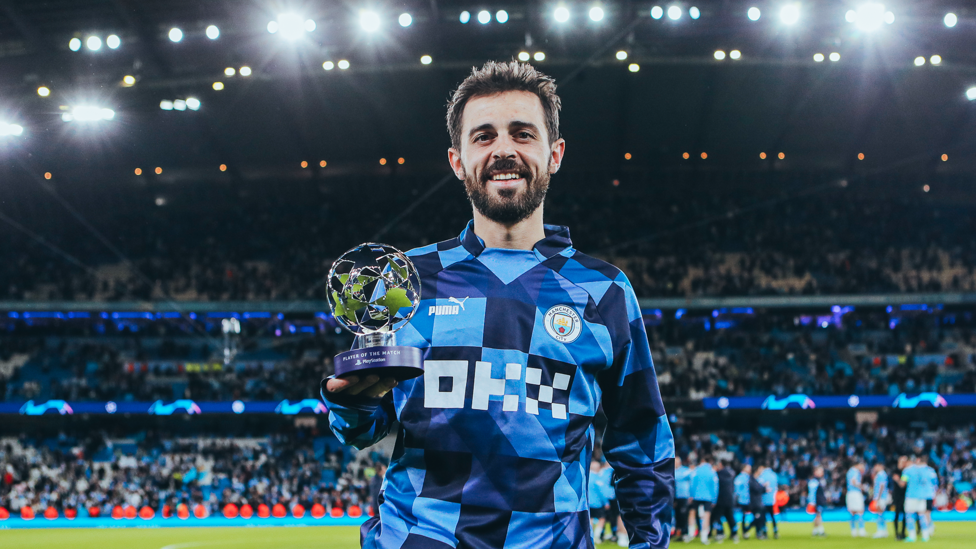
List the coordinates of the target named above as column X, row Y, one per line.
column 726, row 502
column 881, row 498
column 770, row 480
column 898, row 495
column 704, row 493
column 682, row 498
column 741, row 484
column 757, row 492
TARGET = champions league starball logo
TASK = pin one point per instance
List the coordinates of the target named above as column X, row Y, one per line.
column 373, row 288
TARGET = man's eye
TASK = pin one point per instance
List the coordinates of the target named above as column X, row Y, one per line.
column 525, row 135
column 480, row 137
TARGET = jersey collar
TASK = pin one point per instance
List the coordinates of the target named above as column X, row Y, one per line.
column 556, row 241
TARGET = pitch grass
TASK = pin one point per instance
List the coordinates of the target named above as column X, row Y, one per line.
column 948, row 535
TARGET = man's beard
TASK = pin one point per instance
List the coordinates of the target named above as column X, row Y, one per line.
column 510, row 205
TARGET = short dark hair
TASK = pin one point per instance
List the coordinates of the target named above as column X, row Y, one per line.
column 494, row 78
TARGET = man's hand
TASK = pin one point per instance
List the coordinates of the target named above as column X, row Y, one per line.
column 371, row 386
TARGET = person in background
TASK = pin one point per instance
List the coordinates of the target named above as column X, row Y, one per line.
column 741, row 485
column 617, row 530
column 725, row 504
column 704, row 493
column 915, row 492
column 770, row 481
column 855, row 499
column 682, row 498
column 881, row 498
column 898, row 495
column 817, row 497
column 930, row 483
column 376, row 486
column 757, row 493
column 597, row 492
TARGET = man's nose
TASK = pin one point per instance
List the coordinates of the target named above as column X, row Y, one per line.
column 504, row 148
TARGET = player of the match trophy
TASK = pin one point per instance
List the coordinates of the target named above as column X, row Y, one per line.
column 374, row 290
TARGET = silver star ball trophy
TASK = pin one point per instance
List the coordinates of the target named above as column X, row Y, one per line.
column 374, row 290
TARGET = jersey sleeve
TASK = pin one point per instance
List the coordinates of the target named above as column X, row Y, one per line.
column 359, row 421
column 638, row 442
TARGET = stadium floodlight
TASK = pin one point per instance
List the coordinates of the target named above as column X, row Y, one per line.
column 735, row 55
column 790, row 14
column 596, row 13
column 935, row 59
column 754, row 14
column 524, row 56
column 310, row 25
column 74, row 44
column 113, row 41
column 88, row 113
column 889, row 17
column 622, row 55
column 633, row 67
column 405, row 20
column 561, row 14
column 919, row 61
column 719, row 54
column 175, row 34
column 674, row 13
column 218, row 86
column 850, row 16
column 694, row 12
column 193, row 103
column 657, row 12
column 213, row 32
column 971, row 93
column 465, row 17
column 8, row 129
column 501, row 16
column 94, row 43
column 835, row 57
column 484, row 17
column 343, row 64
column 539, row 56
column 229, row 71
column 291, row 26
column 369, row 20
column 426, row 60
column 245, row 71
column 128, row 81
column 950, row 20
column 818, row 57
column 166, row 105
column 44, row 91
column 870, row 16
column 179, row 105
column 328, row 65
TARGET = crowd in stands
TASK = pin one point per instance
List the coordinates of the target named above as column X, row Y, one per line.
column 96, row 475
column 673, row 238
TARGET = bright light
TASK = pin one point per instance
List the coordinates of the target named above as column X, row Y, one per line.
column 213, row 32
column 229, row 71
column 596, row 13
column 217, row 86
column 405, row 20
column 950, row 20
column 834, row 56
column 657, row 12
column 818, row 57
column 754, row 14
column 935, row 59
column 719, row 54
column 971, row 94
column 790, row 14
column 633, row 67
column 561, row 14
column 74, row 44
column 85, row 113
column 539, row 56
column 674, row 13
column 426, row 60
column 113, row 41
column 44, row 91
column 94, row 43
column 465, row 17
column 501, row 16
column 245, row 71
column 919, row 61
column 128, row 80
column 889, row 17
column 292, row 26
column 369, row 21
column 343, row 64
column 484, row 17
column 175, row 34
column 694, row 12
column 328, row 65
column 10, row 129
column 310, row 25
column 272, row 27
column 622, row 55
column 735, row 54
column 166, row 105
column 193, row 103
column 179, row 105
column 524, row 56
column 870, row 16
column 850, row 16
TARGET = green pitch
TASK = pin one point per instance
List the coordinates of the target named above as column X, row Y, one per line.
column 948, row 535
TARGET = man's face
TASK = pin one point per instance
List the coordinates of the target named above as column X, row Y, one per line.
column 505, row 159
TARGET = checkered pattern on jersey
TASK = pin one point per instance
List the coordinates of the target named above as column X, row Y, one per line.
column 496, row 437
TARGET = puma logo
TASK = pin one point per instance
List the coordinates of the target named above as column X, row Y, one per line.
column 459, row 302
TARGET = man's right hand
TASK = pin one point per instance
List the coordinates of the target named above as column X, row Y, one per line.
column 371, row 386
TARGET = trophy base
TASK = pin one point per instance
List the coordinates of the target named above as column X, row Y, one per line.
column 400, row 363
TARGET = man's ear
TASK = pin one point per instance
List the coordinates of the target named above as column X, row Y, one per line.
column 556, row 155
column 454, row 158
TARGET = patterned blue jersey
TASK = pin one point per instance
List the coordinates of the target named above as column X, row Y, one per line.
column 741, row 484
column 521, row 348
column 880, row 485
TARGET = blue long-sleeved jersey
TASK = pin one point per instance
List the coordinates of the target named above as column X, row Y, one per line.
column 770, row 482
column 704, row 483
column 741, row 484
column 520, row 349
column 682, row 482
